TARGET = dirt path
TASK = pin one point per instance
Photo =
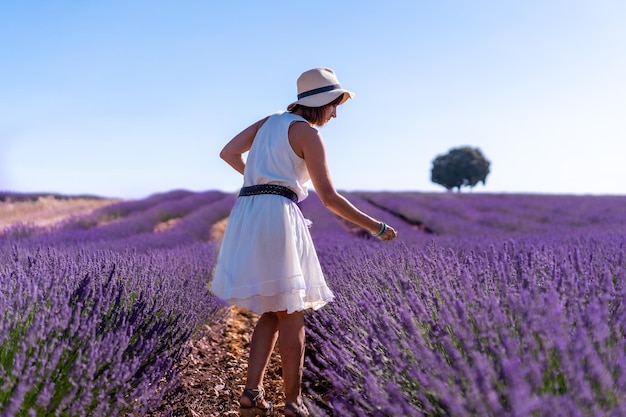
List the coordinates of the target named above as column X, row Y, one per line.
column 214, row 372
column 46, row 211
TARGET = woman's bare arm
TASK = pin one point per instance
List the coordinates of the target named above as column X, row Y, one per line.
column 233, row 152
column 307, row 143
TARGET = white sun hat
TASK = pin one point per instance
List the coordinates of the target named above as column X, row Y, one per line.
column 318, row 87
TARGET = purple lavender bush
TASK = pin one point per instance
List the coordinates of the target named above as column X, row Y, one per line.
column 497, row 215
column 97, row 333
column 95, row 322
column 133, row 218
column 521, row 324
column 503, row 305
column 192, row 214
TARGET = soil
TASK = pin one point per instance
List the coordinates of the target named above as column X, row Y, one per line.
column 46, row 210
column 214, row 372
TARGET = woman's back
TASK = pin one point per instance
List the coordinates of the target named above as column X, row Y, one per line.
column 271, row 159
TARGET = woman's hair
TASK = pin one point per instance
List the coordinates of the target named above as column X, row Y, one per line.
column 315, row 115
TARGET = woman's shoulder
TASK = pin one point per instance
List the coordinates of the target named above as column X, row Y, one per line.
column 286, row 115
column 304, row 130
column 283, row 120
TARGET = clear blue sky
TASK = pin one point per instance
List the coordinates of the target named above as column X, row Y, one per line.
column 128, row 98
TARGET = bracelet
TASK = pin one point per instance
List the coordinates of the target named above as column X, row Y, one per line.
column 383, row 229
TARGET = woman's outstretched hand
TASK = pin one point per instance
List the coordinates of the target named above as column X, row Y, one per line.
column 386, row 232
column 389, row 234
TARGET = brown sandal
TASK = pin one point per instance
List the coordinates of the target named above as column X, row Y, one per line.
column 255, row 396
column 298, row 409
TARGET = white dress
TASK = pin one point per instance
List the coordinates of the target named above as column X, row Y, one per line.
column 267, row 261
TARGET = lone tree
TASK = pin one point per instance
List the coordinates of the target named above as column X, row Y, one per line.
column 461, row 167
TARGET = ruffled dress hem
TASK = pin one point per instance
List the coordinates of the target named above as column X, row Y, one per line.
column 282, row 302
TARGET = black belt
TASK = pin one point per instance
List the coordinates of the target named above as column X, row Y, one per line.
column 269, row 189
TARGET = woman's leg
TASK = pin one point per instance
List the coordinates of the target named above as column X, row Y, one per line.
column 291, row 346
column 261, row 346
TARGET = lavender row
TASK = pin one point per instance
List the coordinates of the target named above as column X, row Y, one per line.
column 130, row 218
column 8, row 196
column 95, row 315
column 514, row 330
column 329, row 229
column 491, row 215
column 392, row 342
column 190, row 217
column 99, row 333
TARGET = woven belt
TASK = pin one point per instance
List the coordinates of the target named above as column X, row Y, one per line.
column 269, row 189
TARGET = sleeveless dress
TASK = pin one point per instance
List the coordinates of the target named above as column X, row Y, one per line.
column 267, row 261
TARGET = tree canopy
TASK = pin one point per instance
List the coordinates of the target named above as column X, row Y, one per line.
column 460, row 167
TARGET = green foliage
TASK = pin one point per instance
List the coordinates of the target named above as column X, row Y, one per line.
column 460, row 167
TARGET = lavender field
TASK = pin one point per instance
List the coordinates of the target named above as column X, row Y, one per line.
column 485, row 305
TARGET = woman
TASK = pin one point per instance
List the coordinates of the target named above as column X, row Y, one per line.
column 267, row 262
